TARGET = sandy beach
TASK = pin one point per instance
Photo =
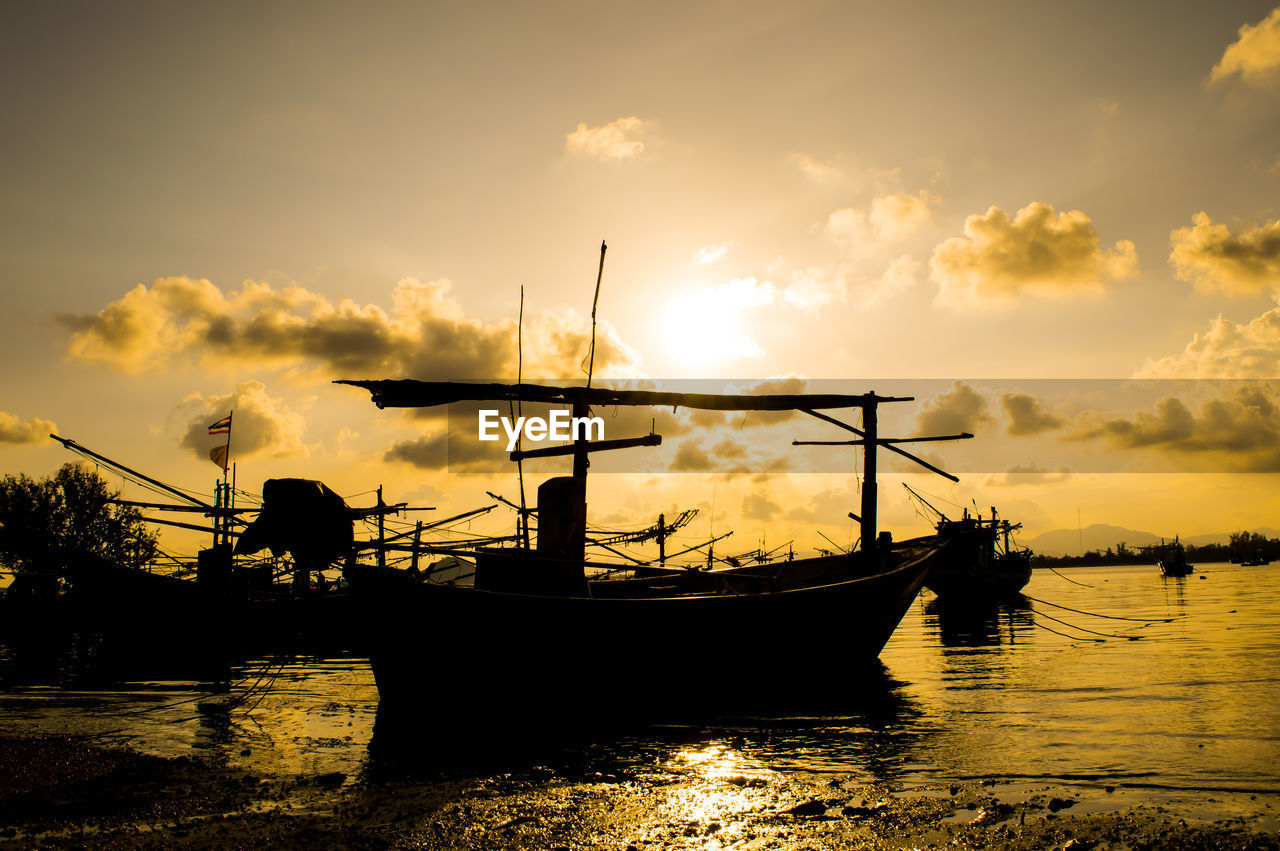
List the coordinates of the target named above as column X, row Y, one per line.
column 69, row 792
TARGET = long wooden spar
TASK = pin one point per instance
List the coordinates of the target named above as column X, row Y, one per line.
column 408, row 393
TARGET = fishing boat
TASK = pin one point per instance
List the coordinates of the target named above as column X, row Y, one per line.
column 978, row 559
column 534, row 623
column 1173, row 559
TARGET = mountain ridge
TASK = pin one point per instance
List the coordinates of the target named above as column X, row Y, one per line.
column 1100, row 536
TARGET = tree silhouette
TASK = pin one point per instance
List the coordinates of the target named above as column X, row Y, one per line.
column 41, row 522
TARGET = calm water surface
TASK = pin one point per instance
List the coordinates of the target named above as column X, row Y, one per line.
column 1180, row 707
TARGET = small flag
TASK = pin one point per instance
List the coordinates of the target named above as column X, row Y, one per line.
column 218, row 455
column 222, row 426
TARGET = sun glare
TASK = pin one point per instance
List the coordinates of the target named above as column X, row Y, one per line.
column 703, row 327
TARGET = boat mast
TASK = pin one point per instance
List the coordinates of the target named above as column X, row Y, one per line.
column 871, row 438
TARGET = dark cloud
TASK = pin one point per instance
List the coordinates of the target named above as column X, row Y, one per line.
column 261, row 423
column 453, row 451
column 1217, row 258
column 758, row 506
column 1238, row 429
column 960, row 409
column 1025, row 416
column 1030, row 473
column 425, row 334
column 691, row 457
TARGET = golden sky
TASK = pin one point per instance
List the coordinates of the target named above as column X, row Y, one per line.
column 218, row 206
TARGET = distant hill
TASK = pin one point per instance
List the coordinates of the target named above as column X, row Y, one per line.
column 1099, row 536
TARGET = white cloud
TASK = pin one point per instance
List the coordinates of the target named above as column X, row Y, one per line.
column 708, row 254
column 819, row 172
column 1225, row 350
column 1037, row 252
column 815, row 287
column 612, row 142
column 900, row 214
column 893, row 216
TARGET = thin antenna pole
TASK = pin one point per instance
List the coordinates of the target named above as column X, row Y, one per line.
column 594, row 303
column 225, row 519
column 523, row 526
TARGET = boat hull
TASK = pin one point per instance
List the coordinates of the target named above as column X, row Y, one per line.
column 1176, row 569
column 484, row 653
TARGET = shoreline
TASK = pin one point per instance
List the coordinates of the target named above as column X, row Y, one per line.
column 62, row 791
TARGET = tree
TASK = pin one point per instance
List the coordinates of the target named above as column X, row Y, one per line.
column 41, row 522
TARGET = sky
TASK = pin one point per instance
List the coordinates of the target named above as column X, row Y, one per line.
column 217, row 207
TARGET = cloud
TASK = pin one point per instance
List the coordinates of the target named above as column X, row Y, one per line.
column 1037, row 252
column 14, row 429
column 691, row 457
column 758, row 506
column 1216, row 258
column 817, row 286
column 892, row 217
column 781, row 385
column 1255, row 55
column 1030, row 473
column 829, row 507
column 814, row 287
column 261, row 424
column 443, row 450
column 1239, row 428
column 730, row 450
column 425, row 334
column 900, row 214
column 1226, row 350
column 709, row 254
column 898, row 276
column 1025, row 416
column 429, row 452
column 819, row 172
column 612, row 142
column 960, row 409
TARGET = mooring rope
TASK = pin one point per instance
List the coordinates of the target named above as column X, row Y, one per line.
column 1086, row 629
column 1098, row 615
column 1069, row 579
column 1064, row 635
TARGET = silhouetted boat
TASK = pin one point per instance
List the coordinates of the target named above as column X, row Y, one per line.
column 533, row 624
column 1173, row 560
column 978, row 560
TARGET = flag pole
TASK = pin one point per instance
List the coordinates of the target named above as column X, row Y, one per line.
column 226, row 462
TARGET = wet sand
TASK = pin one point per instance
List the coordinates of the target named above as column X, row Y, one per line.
column 70, row 792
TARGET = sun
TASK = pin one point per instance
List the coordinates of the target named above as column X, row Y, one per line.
column 704, row 327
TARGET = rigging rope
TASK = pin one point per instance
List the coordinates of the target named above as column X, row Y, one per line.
column 1097, row 615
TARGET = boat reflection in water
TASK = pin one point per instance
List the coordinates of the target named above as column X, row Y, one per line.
column 861, row 721
column 987, row 623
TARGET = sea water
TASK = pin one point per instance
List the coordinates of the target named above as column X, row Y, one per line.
column 1114, row 684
